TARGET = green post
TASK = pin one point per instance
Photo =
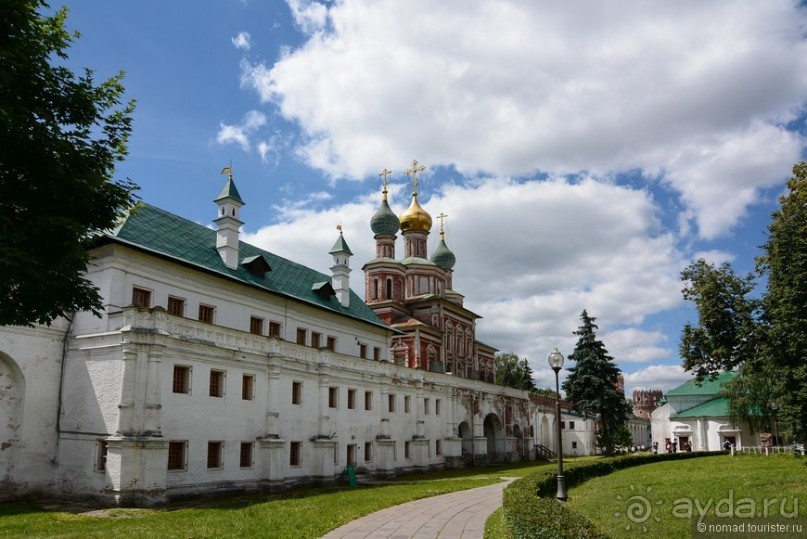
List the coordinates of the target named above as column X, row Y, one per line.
column 351, row 475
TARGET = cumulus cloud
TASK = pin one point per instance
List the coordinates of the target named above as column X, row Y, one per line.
column 242, row 41
column 239, row 134
column 663, row 377
column 693, row 94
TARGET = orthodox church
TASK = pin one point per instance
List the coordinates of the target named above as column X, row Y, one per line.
column 217, row 366
column 415, row 295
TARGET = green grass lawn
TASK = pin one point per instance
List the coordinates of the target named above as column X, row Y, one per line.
column 655, row 499
column 296, row 514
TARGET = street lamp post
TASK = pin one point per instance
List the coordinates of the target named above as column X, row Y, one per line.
column 556, row 362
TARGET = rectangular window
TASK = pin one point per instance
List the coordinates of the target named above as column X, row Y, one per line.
column 256, row 325
column 438, row 447
column 315, row 340
column 427, row 406
column 296, row 392
column 245, row 458
column 376, row 353
column 368, row 400
column 141, row 297
column 363, row 351
column 182, row 379
column 368, row 451
column 100, row 461
column 216, row 383
column 407, row 404
column 274, row 329
column 333, row 397
column 391, row 403
column 331, row 344
column 176, row 455
column 436, row 406
column 302, row 334
column 214, row 453
column 562, row 424
column 247, row 387
column 295, row 457
column 206, row 313
column 176, row 306
column 571, row 425
column 351, row 399
column 574, row 445
column 407, row 450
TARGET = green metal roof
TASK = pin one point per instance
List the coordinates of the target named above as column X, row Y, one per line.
column 713, row 408
column 707, row 388
column 229, row 191
column 157, row 231
column 340, row 246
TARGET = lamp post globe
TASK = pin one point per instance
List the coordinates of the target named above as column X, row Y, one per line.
column 555, row 361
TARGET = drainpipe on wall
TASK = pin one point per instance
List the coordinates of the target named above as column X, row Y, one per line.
column 55, row 460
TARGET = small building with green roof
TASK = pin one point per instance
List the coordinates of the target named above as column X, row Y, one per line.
column 695, row 414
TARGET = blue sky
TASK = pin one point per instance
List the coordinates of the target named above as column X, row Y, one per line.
column 584, row 153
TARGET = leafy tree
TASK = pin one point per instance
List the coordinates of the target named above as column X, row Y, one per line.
column 591, row 386
column 514, row 372
column 728, row 332
column 61, row 138
column 784, row 262
column 751, row 395
column 545, row 392
column 764, row 339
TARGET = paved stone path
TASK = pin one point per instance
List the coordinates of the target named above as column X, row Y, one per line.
column 456, row 515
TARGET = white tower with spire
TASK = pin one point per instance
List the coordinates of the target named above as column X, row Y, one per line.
column 228, row 221
column 341, row 269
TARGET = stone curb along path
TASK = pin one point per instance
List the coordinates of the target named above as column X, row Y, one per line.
column 457, row 515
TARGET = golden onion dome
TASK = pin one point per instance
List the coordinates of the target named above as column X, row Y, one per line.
column 415, row 217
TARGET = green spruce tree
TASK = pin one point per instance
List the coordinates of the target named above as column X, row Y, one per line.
column 591, row 386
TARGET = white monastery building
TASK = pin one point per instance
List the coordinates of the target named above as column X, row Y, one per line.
column 697, row 414
column 217, row 366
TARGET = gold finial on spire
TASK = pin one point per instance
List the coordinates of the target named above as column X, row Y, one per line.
column 414, row 173
column 228, row 170
column 339, row 228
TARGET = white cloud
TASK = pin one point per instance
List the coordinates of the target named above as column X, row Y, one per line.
column 663, row 377
column 232, row 134
column 694, row 94
column 309, row 15
column 239, row 134
column 242, row 41
column 635, row 345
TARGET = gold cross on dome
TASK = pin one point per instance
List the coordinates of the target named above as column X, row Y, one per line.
column 384, row 174
column 414, row 173
column 442, row 218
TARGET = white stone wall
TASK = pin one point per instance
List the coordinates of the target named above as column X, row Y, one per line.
column 115, row 390
column 30, row 366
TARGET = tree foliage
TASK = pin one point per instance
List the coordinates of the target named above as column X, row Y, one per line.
column 591, row 386
column 751, row 395
column 514, row 372
column 62, row 135
column 765, row 339
column 784, row 263
column 727, row 333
